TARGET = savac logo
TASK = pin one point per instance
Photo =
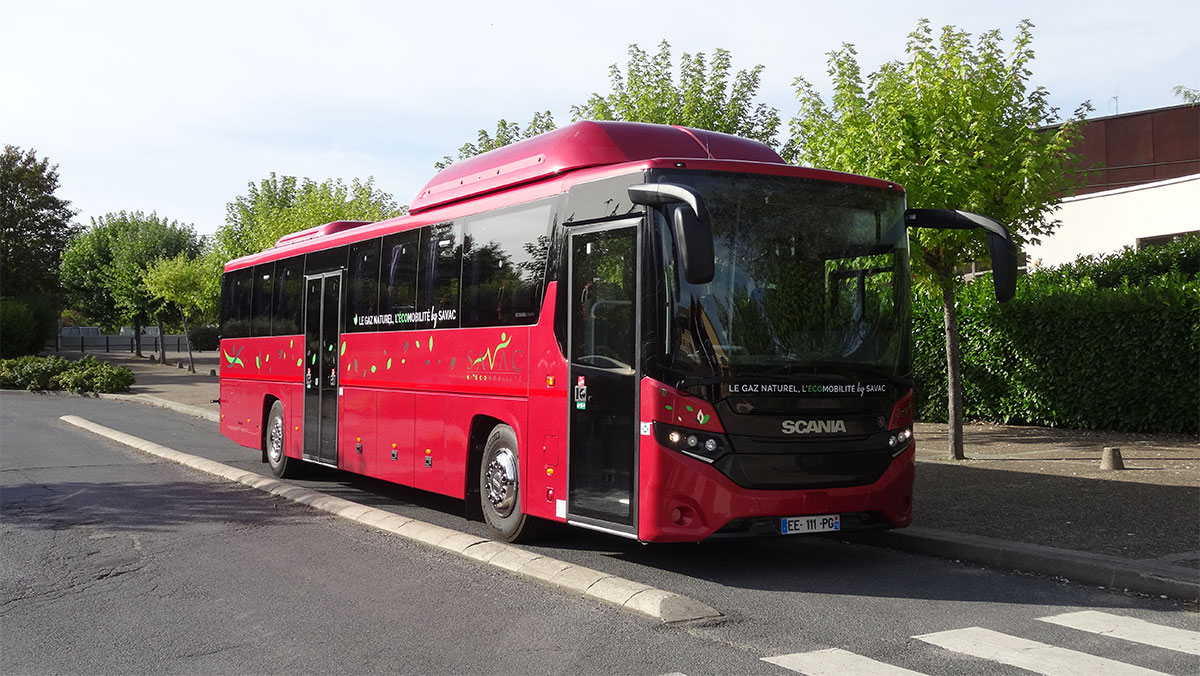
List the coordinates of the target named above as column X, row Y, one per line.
column 813, row 426
column 498, row 363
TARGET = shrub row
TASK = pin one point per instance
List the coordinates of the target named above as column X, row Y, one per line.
column 1076, row 348
column 56, row 373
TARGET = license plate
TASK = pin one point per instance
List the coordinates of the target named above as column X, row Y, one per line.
column 821, row 523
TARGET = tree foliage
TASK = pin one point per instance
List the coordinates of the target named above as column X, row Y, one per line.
column 960, row 126
column 104, row 267
column 506, row 133
column 280, row 205
column 180, row 282
column 1188, row 94
column 707, row 94
column 35, row 225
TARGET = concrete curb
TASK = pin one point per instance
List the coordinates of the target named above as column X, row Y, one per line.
column 151, row 400
column 664, row 606
column 1146, row 577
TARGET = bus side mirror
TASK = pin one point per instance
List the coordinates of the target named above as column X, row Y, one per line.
column 1000, row 245
column 690, row 220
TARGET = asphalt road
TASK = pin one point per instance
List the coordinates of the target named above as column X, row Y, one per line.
column 114, row 562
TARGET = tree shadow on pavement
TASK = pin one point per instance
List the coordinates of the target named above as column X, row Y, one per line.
column 1101, row 516
column 129, row 506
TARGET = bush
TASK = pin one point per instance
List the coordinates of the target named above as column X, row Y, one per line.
column 53, row 373
column 205, row 338
column 33, row 373
column 19, row 330
column 1078, row 347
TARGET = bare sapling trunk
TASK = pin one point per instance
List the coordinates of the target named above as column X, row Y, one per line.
column 954, row 410
column 162, row 344
column 187, row 337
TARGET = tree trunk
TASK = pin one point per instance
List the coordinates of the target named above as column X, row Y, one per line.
column 137, row 338
column 953, row 373
column 187, row 337
column 162, row 344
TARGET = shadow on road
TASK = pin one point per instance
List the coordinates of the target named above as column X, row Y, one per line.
column 133, row 506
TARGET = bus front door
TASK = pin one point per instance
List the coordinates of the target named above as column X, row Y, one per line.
column 322, row 332
column 602, row 335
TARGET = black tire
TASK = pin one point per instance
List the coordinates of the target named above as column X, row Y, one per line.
column 500, row 489
column 281, row 465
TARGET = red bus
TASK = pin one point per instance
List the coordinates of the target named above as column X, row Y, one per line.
column 658, row 332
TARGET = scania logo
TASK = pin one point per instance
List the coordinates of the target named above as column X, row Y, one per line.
column 813, row 426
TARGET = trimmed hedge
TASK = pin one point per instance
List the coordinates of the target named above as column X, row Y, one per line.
column 56, row 373
column 1101, row 343
column 205, row 338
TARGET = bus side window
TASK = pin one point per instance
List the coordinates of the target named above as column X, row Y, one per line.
column 289, row 287
column 362, row 292
column 260, row 304
column 236, row 290
column 504, row 266
column 398, row 275
column 438, row 276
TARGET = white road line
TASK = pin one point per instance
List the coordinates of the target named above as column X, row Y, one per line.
column 1130, row 629
column 1031, row 655
column 836, row 662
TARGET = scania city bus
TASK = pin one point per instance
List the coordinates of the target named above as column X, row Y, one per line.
column 657, row 332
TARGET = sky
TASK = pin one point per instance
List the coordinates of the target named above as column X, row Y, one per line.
column 175, row 107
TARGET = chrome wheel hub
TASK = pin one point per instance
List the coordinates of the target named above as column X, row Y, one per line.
column 275, row 441
column 500, row 481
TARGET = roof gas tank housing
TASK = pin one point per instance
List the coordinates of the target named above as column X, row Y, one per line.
column 581, row 145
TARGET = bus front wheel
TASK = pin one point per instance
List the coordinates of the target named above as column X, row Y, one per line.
column 499, row 488
column 281, row 465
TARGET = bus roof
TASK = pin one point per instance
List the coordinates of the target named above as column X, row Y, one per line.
column 583, row 151
column 580, row 145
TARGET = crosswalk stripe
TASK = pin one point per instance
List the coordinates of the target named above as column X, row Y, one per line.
column 1031, row 655
column 835, row 662
column 1130, row 629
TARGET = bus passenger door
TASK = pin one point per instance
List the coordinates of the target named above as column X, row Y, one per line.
column 602, row 339
column 322, row 333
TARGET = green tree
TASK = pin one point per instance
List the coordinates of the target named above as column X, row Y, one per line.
column 707, row 95
column 1188, row 94
column 104, row 268
column 35, row 226
column 281, row 205
column 957, row 123
column 506, row 133
column 180, row 283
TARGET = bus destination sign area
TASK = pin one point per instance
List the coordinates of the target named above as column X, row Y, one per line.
column 824, row 389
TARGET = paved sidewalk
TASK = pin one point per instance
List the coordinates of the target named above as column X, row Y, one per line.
column 1027, row 498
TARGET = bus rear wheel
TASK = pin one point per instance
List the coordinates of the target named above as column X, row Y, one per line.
column 281, row 465
column 499, row 489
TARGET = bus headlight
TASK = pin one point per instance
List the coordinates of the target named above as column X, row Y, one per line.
column 705, row 446
column 898, row 440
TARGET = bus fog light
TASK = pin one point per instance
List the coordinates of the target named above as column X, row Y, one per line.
column 710, row 445
column 674, row 437
column 692, row 441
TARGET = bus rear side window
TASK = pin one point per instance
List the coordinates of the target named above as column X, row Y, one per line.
column 236, row 299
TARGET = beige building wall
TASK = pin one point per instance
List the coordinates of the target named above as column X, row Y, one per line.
column 1103, row 222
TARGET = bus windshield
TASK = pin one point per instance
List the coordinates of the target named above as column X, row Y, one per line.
column 809, row 274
